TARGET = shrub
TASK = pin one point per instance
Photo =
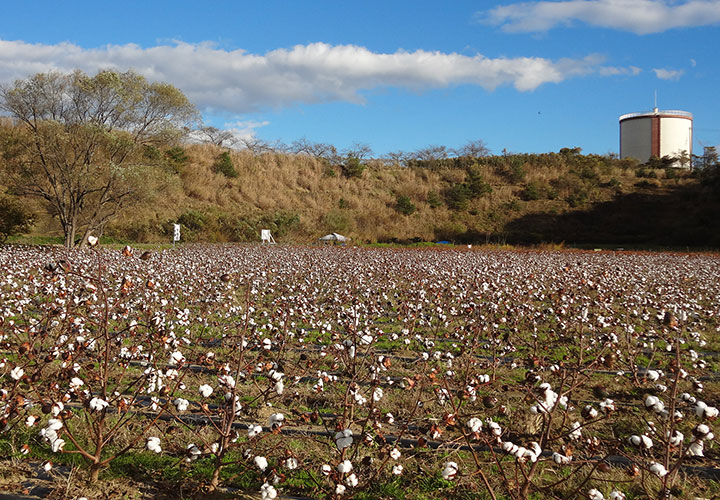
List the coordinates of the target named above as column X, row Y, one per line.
column 433, row 199
column 457, row 197
column 353, row 167
column 224, row 165
column 404, row 205
column 14, row 218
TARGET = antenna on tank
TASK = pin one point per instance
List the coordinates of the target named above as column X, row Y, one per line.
column 655, row 108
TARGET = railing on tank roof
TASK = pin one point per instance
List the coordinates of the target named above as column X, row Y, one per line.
column 664, row 112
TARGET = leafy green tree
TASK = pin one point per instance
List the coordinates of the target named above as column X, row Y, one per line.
column 80, row 137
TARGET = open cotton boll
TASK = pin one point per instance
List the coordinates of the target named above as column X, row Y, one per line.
column 344, row 467
column 696, row 448
column 594, row 494
column 261, row 463
column 205, row 390
column 474, row 424
column 449, row 471
column 98, row 404
column 343, row 438
column 658, row 469
column 617, row 495
column 267, row 492
column 153, row 444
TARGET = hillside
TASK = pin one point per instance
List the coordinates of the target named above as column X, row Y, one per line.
column 226, row 195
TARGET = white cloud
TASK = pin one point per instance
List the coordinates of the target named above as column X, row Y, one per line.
column 668, row 74
column 236, row 81
column 638, row 16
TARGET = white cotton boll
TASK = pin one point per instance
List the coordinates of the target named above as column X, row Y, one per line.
column 279, row 387
column 711, row 412
column 651, row 401
column 450, row 471
column 205, row 390
column 326, row 469
column 181, row 404
column 594, row 494
column 30, row 420
column 658, row 469
column 702, row 431
column 617, row 495
column 395, row 454
column 351, row 480
column 344, row 467
column 677, row 438
column 98, row 404
column 397, row 469
column 57, row 445
column 652, row 375
column 474, row 424
column 339, row 489
column 276, row 420
column 291, row 463
column 696, row 448
column 153, row 444
column 646, row 441
column 267, row 492
column 576, row 432
column 57, row 408
column 54, row 424
column 193, row 452
column 561, row 459
column 76, row 382
column 261, row 463
column 176, row 358
column 343, row 438
column 377, row 394
column 17, row 373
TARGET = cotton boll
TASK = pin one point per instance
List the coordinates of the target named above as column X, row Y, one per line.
column 205, row 390
column 594, row 494
column 153, row 444
column 696, row 449
column 261, row 463
column 474, row 424
column 343, row 438
column 658, row 469
column 267, row 492
column 449, row 471
column 344, row 467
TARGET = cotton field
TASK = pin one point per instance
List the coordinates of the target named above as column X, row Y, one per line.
column 367, row 373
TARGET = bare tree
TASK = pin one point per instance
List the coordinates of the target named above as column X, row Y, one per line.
column 318, row 150
column 80, row 136
column 474, row 149
column 214, row 135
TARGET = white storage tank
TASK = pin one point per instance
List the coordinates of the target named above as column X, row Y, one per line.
column 656, row 133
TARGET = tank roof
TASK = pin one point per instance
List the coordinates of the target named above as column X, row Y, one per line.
column 658, row 112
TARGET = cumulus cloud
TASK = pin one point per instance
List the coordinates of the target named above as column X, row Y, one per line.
column 668, row 74
column 637, row 16
column 236, row 81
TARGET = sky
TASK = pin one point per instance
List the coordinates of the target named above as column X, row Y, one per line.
column 396, row 75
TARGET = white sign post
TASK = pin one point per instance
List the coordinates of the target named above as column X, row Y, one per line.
column 176, row 233
column 266, row 237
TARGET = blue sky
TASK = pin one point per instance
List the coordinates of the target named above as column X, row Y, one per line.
column 530, row 76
